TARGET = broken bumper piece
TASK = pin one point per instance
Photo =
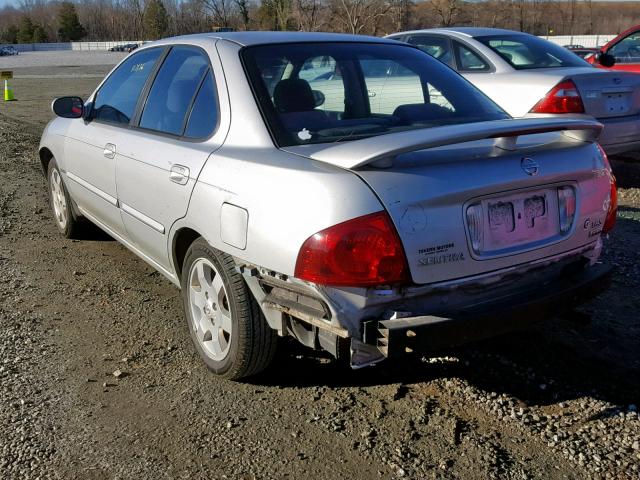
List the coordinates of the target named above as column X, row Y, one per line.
column 429, row 333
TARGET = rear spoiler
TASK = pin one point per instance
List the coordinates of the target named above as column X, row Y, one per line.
column 380, row 150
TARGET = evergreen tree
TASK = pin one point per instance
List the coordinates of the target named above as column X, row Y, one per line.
column 39, row 34
column 154, row 20
column 10, row 35
column 70, row 28
column 25, row 31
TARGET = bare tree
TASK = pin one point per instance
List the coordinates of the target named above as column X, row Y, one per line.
column 279, row 12
column 400, row 11
column 222, row 11
column 308, row 14
column 122, row 19
column 359, row 16
column 243, row 11
column 446, row 11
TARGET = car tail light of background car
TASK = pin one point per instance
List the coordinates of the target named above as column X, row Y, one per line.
column 563, row 98
column 362, row 252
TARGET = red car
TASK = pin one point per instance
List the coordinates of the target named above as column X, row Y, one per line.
column 625, row 49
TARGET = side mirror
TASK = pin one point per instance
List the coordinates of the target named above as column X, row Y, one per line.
column 68, row 107
column 319, row 97
column 606, row 60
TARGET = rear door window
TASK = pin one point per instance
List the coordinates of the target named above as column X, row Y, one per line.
column 468, row 60
column 204, row 114
column 117, row 98
column 437, row 47
column 174, row 90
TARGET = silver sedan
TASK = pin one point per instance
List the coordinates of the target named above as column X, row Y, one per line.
column 529, row 76
column 259, row 174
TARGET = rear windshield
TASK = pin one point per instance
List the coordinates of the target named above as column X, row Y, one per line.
column 524, row 52
column 333, row 92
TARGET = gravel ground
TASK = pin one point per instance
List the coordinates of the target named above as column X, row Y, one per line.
column 559, row 400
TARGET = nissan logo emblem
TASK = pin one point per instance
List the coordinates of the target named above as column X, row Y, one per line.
column 617, row 80
column 530, row 166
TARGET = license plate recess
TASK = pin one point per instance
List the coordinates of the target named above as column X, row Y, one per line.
column 519, row 220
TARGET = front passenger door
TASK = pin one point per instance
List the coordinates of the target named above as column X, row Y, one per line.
column 90, row 146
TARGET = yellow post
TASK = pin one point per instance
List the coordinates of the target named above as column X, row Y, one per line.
column 8, row 92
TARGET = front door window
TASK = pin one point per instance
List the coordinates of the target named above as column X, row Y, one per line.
column 627, row 50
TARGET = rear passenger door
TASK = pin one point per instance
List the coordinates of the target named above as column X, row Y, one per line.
column 170, row 140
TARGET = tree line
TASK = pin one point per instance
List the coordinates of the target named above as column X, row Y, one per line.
column 108, row 20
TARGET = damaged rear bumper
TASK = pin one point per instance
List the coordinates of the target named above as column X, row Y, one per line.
column 517, row 309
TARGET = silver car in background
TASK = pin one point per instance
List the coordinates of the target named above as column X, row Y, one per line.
column 258, row 173
column 529, row 76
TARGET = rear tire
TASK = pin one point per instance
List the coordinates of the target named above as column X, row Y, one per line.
column 60, row 202
column 226, row 325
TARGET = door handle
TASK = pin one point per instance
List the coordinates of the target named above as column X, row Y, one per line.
column 109, row 150
column 179, row 174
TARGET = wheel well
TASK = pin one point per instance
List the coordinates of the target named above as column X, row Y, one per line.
column 181, row 243
column 45, row 158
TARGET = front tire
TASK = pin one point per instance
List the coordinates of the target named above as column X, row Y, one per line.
column 60, row 202
column 226, row 325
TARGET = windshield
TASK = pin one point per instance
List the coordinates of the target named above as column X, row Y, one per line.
column 332, row 92
column 524, row 52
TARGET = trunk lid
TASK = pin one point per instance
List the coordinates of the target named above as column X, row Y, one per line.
column 607, row 94
column 515, row 184
column 428, row 194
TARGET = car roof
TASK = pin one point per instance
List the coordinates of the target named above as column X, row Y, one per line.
column 469, row 31
column 262, row 38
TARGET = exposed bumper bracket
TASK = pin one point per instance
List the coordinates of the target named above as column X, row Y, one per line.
column 510, row 312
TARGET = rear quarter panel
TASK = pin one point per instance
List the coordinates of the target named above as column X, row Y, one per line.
column 287, row 199
column 515, row 91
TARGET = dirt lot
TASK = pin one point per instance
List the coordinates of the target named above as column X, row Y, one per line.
column 557, row 401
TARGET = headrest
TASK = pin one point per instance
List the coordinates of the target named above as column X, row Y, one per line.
column 293, row 95
column 177, row 94
column 417, row 112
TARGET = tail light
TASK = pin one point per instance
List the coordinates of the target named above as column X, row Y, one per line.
column 566, row 207
column 362, row 252
column 563, row 98
column 612, row 211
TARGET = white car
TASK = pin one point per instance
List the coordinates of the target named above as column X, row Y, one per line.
column 529, row 76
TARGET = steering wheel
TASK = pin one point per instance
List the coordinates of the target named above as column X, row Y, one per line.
column 633, row 51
